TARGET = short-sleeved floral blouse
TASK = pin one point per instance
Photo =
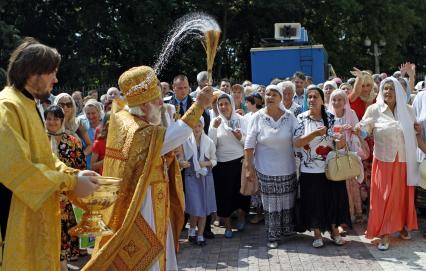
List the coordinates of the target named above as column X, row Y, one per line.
column 314, row 154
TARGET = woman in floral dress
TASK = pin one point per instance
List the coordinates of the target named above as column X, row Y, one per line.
column 69, row 150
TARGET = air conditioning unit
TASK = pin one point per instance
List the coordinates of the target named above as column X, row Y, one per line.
column 288, row 31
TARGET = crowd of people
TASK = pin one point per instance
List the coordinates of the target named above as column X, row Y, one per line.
column 275, row 138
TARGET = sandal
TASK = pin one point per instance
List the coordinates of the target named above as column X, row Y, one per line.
column 383, row 246
column 405, row 235
column 338, row 240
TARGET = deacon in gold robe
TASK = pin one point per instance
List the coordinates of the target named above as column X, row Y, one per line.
column 31, row 177
column 148, row 214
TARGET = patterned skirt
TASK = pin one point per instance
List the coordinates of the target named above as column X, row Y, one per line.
column 70, row 247
column 278, row 194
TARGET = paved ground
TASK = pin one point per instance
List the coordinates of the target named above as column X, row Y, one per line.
column 247, row 251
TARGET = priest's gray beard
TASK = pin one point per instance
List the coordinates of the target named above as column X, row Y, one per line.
column 154, row 116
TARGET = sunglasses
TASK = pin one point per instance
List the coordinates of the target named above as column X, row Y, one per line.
column 69, row 104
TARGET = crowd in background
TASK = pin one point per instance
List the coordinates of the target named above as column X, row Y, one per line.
column 276, row 137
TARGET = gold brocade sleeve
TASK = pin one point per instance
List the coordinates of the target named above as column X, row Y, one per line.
column 32, row 183
column 193, row 114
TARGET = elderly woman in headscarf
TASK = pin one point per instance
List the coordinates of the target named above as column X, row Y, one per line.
column 328, row 88
column 395, row 171
column 69, row 150
column 199, row 159
column 227, row 133
column 270, row 142
column 94, row 113
column 73, row 126
column 323, row 203
column 345, row 120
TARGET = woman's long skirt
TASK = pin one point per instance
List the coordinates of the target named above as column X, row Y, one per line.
column 278, row 194
column 323, row 202
column 391, row 201
column 227, row 184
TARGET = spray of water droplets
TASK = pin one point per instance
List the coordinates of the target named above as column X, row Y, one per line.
column 190, row 26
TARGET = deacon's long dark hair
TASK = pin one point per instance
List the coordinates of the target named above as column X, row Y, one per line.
column 31, row 58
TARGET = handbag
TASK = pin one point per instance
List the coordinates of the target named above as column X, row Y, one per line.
column 342, row 166
column 248, row 188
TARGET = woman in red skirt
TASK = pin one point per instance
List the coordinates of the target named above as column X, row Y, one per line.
column 394, row 172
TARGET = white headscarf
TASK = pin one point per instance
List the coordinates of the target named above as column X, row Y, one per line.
column 419, row 105
column 332, row 83
column 71, row 125
column 190, row 150
column 229, row 124
column 407, row 126
column 279, row 90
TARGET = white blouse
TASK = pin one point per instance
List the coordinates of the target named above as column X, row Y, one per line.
column 273, row 143
column 228, row 147
column 387, row 131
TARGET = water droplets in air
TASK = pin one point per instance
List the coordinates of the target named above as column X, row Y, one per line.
column 190, row 26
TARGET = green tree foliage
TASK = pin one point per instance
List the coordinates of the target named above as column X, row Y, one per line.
column 100, row 39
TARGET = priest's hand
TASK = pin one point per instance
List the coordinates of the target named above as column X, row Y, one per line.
column 205, row 97
column 86, row 185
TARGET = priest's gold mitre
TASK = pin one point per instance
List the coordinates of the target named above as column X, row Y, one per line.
column 140, row 85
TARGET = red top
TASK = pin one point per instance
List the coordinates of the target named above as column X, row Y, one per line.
column 99, row 147
column 359, row 106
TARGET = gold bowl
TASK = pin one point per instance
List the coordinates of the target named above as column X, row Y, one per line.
column 91, row 223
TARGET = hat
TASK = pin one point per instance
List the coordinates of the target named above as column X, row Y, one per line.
column 139, row 85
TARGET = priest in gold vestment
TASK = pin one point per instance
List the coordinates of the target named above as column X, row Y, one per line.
column 148, row 214
column 31, row 177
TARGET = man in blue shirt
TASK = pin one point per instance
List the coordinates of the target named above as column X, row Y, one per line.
column 299, row 80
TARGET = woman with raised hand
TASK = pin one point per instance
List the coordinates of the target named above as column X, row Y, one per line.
column 394, row 172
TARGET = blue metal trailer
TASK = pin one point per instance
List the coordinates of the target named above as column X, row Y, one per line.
column 272, row 62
